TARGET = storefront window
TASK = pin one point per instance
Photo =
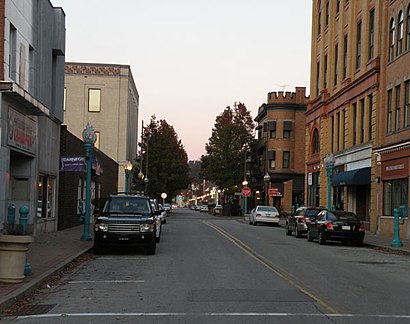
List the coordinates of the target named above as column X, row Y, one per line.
column 45, row 196
column 314, row 189
column 392, row 201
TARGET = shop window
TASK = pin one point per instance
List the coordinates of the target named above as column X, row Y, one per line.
column 395, row 194
column 45, row 196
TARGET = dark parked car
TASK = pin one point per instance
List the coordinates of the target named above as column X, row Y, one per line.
column 127, row 221
column 298, row 222
column 336, row 226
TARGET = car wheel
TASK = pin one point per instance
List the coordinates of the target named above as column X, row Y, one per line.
column 288, row 231
column 321, row 239
column 151, row 249
column 157, row 239
column 297, row 233
column 309, row 236
column 255, row 223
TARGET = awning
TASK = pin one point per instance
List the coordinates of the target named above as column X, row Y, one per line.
column 352, row 178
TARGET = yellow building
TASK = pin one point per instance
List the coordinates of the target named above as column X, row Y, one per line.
column 342, row 114
column 105, row 96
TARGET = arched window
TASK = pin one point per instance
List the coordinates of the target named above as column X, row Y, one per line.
column 391, row 39
column 400, row 32
column 408, row 29
column 315, row 142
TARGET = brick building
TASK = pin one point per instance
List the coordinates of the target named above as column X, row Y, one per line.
column 281, row 147
column 342, row 116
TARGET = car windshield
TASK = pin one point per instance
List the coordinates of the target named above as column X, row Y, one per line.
column 127, row 205
column 267, row 209
column 342, row 216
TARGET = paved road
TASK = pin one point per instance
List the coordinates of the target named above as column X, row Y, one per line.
column 220, row 270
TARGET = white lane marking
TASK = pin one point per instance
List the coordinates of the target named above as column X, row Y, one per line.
column 105, row 281
column 392, row 316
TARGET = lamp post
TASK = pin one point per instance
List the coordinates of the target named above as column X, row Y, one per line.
column 89, row 138
column 329, row 161
column 127, row 169
column 266, row 178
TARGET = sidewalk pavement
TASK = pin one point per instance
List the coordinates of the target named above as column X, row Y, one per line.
column 50, row 252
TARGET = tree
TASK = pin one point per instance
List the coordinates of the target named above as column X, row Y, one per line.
column 228, row 147
column 162, row 159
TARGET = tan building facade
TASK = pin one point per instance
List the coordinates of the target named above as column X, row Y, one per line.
column 281, row 138
column 343, row 112
column 105, row 96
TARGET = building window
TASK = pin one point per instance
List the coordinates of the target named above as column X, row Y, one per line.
column 314, row 189
column 65, row 99
column 337, row 6
column 325, row 73
column 389, row 110
column 345, row 44
column 287, row 129
column 397, row 121
column 361, row 107
column 337, row 131
column 319, row 17
column 315, row 142
column 358, row 45
column 391, row 39
column 371, row 35
column 45, row 196
column 408, row 29
column 400, row 33
column 272, row 129
column 97, row 140
column 370, row 105
column 395, row 194
column 327, row 13
column 271, row 156
column 336, row 64
column 317, row 78
column 332, row 138
column 13, row 53
column 354, row 123
column 342, row 130
column 286, row 160
column 407, row 103
column 94, row 100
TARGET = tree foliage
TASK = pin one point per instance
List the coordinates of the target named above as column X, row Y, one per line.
column 228, row 147
column 162, row 159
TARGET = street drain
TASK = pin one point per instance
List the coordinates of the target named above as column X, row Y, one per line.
column 33, row 310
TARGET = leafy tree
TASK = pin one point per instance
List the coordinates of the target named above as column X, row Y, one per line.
column 164, row 158
column 228, row 147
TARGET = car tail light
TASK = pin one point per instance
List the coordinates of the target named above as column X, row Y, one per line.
column 302, row 219
column 329, row 226
column 361, row 228
column 257, row 215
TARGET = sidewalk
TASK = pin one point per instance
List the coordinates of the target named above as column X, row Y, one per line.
column 50, row 252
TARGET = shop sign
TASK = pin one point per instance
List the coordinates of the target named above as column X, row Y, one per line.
column 395, row 169
column 73, row 164
column 274, row 192
column 21, row 131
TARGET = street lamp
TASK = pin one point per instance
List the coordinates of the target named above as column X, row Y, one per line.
column 266, row 178
column 329, row 161
column 127, row 169
column 89, row 138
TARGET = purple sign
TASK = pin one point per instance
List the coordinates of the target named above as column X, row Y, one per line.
column 73, row 163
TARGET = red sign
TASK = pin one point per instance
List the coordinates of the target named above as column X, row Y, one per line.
column 246, row 192
column 274, row 192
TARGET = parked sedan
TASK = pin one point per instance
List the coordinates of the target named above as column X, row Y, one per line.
column 299, row 221
column 264, row 214
column 218, row 209
column 336, row 226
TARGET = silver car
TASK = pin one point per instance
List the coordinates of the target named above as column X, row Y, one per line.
column 264, row 214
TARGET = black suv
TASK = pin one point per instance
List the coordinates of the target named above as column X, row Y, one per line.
column 126, row 220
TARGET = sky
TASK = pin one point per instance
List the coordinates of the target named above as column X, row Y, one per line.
column 190, row 59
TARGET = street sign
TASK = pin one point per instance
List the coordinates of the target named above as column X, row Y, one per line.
column 246, row 192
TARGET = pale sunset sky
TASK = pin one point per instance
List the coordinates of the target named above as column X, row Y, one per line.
column 192, row 58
